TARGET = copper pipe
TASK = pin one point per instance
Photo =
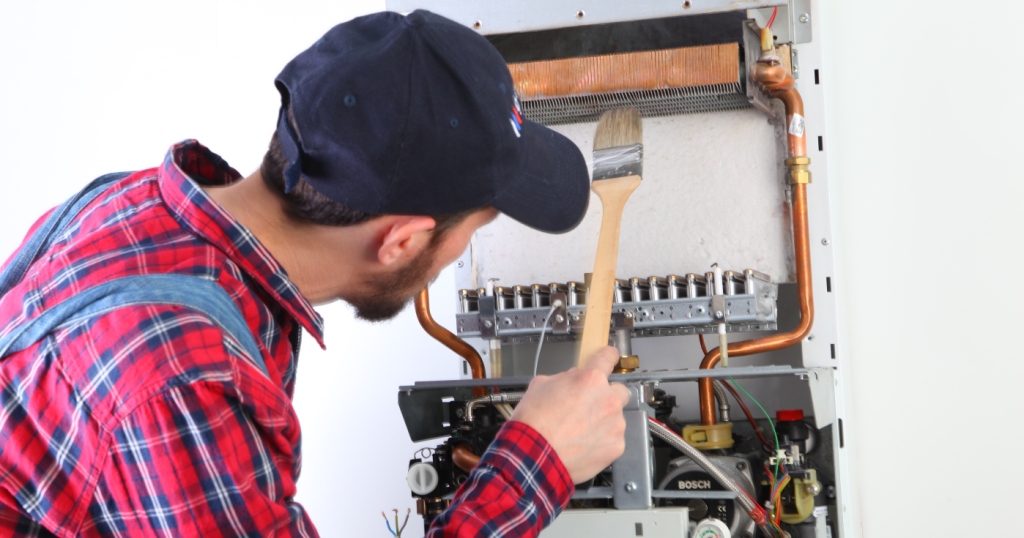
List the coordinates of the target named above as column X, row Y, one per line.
column 781, row 85
column 464, row 458
column 452, row 342
column 770, row 73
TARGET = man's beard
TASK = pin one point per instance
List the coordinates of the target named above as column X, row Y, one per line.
column 389, row 294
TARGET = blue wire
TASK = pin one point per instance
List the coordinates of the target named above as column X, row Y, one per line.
column 388, row 523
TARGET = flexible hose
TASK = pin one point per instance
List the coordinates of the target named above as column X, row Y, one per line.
column 500, row 398
column 723, row 403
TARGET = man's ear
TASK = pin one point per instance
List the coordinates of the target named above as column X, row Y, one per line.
column 403, row 237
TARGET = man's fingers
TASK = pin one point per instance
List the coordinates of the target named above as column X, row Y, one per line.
column 622, row 392
column 604, row 360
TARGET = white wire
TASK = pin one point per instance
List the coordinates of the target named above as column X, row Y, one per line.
column 536, row 360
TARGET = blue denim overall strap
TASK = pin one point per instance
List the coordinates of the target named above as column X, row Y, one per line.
column 192, row 292
column 50, row 228
column 161, row 289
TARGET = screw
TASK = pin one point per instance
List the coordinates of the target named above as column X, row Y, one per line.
column 719, row 314
column 477, row 25
column 741, row 465
column 507, row 321
column 825, row 242
column 580, row 14
column 488, row 324
column 575, row 318
column 630, row 487
column 629, row 315
column 559, row 318
column 805, row 18
column 813, row 488
column 459, row 264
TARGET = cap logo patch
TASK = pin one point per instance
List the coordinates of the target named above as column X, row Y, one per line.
column 516, row 117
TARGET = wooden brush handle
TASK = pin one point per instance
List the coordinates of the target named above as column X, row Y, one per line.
column 613, row 193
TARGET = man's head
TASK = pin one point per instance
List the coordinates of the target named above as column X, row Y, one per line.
column 380, row 296
column 416, row 116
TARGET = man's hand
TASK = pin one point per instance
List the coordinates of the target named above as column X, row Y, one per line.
column 579, row 414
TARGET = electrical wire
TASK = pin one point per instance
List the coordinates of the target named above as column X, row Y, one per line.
column 388, row 523
column 778, row 460
column 771, row 20
column 543, row 328
column 743, row 406
column 750, row 416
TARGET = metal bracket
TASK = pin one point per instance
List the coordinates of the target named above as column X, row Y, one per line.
column 793, row 23
column 718, row 308
column 622, row 320
column 560, row 317
column 631, row 473
column 488, row 319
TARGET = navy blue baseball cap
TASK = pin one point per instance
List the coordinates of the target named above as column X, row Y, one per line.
column 417, row 115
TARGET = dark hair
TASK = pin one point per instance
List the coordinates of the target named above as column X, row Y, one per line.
column 305, row 204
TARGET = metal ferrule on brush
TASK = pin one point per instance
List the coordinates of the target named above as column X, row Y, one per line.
column 618, row 161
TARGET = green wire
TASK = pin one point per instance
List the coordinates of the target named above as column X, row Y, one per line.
column 770, row 423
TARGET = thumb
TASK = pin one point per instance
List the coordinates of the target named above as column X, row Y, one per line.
column 604, row 360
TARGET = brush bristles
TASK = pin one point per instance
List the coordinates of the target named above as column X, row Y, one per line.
column 619, row 127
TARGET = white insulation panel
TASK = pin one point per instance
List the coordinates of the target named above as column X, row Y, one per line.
column 713, row 191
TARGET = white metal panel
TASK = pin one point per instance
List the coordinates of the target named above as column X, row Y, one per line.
column 528, row 15
column 656, row 523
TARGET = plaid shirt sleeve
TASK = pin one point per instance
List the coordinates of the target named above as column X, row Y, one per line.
column 518, row 487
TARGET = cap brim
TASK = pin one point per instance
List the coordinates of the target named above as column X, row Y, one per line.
column 552, row 191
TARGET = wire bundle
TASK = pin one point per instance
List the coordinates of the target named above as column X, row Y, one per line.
column 397, row 531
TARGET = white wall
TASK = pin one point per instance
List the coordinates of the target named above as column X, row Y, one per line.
column 922, row 109
column 924, row 136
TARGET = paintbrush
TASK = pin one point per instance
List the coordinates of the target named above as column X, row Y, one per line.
column 618, row 162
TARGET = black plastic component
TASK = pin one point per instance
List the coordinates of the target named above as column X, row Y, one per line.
column 632, row 36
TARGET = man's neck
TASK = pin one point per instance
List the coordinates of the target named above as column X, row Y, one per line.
column 321, row 260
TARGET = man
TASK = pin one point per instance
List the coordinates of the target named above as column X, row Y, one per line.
column 398, row 137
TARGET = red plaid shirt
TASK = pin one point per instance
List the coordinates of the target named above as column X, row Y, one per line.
column 145, row 421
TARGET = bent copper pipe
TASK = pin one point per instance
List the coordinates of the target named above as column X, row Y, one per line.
column 464, row 458
column 452, row 342
column 801, row 243
column 780, row 85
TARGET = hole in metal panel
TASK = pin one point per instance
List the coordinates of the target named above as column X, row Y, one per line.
column 817, row 80
column 821, row 143
column 639, row 529
column 842, row 441
column 833, row 350
column 828, row 284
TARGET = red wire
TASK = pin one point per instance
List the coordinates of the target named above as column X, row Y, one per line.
column 743, row 406
column 771, row 20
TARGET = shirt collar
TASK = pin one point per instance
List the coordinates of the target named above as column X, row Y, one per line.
column 188, row 165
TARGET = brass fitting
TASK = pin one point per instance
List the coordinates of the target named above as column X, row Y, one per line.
column 799, row 170
column 627, row 363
